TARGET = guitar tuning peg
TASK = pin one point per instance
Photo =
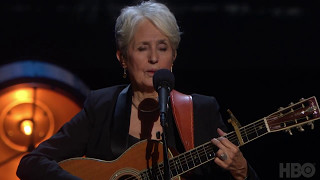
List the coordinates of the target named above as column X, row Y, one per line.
column 300, row 128
column 291, row 104
column 302, row 99
column 280, row 108
column 311, row 124
column 289, row 131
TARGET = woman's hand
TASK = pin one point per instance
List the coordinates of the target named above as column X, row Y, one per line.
column 230, row 157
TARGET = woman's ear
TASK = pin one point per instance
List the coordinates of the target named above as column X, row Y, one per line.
column 174, row 55
column 121, row 59
column 118, row 54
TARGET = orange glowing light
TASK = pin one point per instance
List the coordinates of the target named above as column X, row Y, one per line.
column 21, row 94
column 26, row 127
column 32, row 111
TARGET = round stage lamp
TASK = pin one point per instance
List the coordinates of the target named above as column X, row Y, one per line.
column 36, row 99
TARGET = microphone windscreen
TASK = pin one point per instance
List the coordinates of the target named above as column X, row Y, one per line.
column 163, row 78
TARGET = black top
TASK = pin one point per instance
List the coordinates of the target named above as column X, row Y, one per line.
column 101, row 130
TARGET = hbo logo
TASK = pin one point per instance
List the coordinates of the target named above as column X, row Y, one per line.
column 296, row 170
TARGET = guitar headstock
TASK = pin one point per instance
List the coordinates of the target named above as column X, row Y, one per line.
column 295, row 115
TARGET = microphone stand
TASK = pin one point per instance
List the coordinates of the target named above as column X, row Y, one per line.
column 163, row 103
column 165, row 146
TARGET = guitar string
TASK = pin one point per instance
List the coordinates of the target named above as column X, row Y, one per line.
column 184, row 162
column 172, row 170
column 244, row 131
column 194, row 155
column 252, row 129
column 246, row 134
column 197, row 155
column 247, row 131
column 187, row 156
column 191, row 154
column 249, row 128
column 205, row 150
column 270, row 122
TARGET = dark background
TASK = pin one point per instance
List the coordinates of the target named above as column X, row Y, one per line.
column 253, row 56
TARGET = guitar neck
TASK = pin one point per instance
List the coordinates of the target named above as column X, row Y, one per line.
column 249, row 132
column 206, row 152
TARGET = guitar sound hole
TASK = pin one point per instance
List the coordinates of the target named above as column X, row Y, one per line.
column 127, row 177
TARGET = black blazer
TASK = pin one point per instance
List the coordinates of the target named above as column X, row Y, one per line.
column 100, row 130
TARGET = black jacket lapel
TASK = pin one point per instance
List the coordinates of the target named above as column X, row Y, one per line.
column 121, row 122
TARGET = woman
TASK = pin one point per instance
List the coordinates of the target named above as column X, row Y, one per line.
column 115, row 118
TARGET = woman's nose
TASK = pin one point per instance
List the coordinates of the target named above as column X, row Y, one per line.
column 153, row 58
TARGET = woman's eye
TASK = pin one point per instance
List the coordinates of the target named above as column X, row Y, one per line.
column 142, row 48
column 163, row 48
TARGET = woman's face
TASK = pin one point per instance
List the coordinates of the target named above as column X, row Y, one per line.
column 149, row 51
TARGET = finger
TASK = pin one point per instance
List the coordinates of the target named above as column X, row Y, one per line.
column 223, row 156
column 221, row 163
column 224, row 140
column 220, row 153
column 227, row 143
column 219, row 144
column 220, row 132
column 224, row 146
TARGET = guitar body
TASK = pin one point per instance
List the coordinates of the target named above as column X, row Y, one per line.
column 140, row 157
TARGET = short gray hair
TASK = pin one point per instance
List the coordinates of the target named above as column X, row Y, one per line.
column 158, row 13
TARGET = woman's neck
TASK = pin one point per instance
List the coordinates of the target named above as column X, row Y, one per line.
column 139, row 96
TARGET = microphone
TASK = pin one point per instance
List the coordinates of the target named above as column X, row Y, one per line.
column 163, row 83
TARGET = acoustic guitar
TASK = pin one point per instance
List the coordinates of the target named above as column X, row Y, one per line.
column 144, row 160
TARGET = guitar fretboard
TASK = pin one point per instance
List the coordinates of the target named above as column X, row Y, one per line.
column 204, row 153
column 249, row 132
